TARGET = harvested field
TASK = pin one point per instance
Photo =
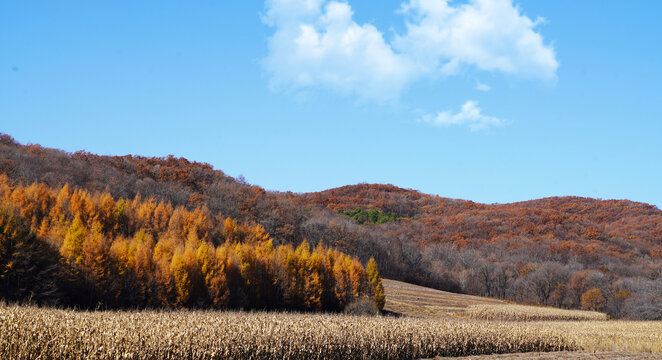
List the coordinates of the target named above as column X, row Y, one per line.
column 529, row 313
column 418, row 301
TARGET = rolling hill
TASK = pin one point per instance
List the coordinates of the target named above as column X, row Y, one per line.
column 550, row 251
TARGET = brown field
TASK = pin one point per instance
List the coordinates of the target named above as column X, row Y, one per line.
column 617, row 335
column 432, row 324
column 596, row 337
column 418, row 301
column 529, row 313
column 30, row 332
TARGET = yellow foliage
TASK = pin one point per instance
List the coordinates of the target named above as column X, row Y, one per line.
column 376, row 281
column 593, row 300
column 72, row 247
column 182, row 278
column 145, row 253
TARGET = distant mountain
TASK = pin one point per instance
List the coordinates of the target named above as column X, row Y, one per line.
column 548, row 251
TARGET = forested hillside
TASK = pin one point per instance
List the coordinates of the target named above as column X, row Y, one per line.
column 568, row 251
column 69, row 247
column 65, row 245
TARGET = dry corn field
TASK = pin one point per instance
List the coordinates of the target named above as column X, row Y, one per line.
column 529, row 313
column 603, row 340
column 30, row 332
column 631, row 336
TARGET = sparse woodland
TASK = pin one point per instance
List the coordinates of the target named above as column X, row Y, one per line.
column 195, row 221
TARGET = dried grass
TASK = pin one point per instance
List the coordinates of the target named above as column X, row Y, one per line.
column 529, row 313
column 615, row 335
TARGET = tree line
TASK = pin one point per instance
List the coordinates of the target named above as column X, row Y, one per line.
column 70, row 247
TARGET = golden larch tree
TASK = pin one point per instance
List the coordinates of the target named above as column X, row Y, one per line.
column 376, row 282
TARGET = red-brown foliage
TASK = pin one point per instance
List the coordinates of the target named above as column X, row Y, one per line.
column 446, row 243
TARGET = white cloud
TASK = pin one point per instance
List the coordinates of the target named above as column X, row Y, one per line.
column 317, row 44
column 469, row 115
column 491, row 35
column 325, row 47
column 482, row 87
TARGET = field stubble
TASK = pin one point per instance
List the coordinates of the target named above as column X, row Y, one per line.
column 529, row 313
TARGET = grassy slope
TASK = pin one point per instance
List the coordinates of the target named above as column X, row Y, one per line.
column 418, row 301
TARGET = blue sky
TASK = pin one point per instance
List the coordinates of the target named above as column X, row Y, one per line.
column 487, row 100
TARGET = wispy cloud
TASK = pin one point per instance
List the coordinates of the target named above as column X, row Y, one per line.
column 317, row 44
column 469, row 115
column 482, row 87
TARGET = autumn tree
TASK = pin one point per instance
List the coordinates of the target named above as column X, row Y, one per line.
column 28, row 267
column 593, row 300
column 98, row 264
column 72, row 247
column 376, row 283
column 144, row 253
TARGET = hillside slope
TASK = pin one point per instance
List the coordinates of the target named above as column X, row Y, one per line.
column 418, row 301
column 550, row 251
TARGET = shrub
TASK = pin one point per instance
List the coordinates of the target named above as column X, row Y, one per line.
column 362, row 306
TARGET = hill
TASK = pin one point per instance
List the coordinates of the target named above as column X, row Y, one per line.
column 552, row 251
column 548, row 251
column 418, row 301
